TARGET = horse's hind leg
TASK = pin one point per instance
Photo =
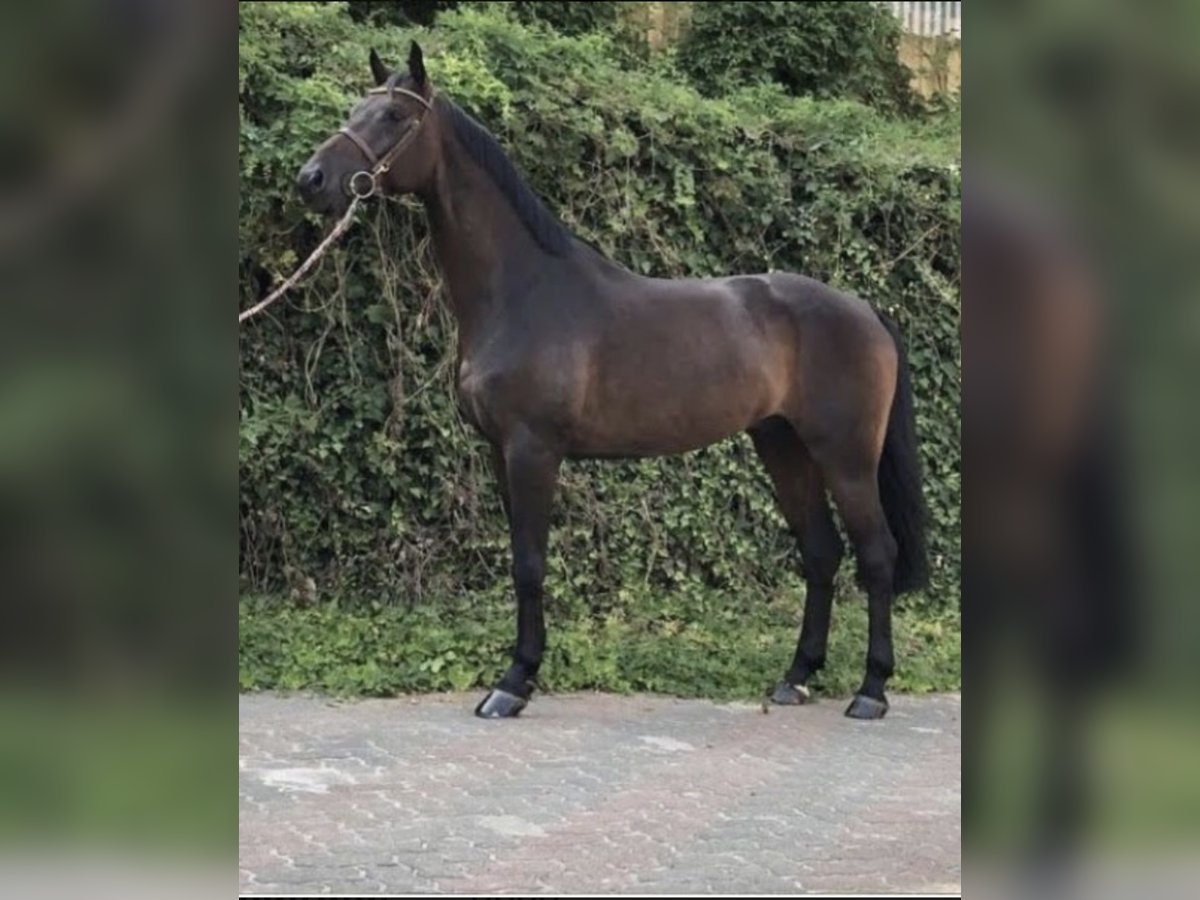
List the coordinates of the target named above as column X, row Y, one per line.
column 800, row 493
column 855, row 490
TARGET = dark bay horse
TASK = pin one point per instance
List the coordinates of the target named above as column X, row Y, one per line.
column 563, row 354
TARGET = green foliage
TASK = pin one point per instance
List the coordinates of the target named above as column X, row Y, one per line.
column 358, row 479
column 691, row 643
column 569, row 18
column 832, row 49
column 399, row 12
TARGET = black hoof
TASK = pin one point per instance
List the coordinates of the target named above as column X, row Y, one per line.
column 500, row 705
column 786, row 694
column 864, row 707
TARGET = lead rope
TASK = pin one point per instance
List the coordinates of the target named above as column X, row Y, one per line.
column 333, row 235
column 378, row 167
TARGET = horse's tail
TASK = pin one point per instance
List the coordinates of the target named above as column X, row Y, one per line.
column 900, row 479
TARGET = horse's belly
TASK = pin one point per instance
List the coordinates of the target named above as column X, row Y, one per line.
column 679, row 436
column 655, row 413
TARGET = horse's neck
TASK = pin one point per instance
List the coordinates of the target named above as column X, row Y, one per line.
column 481, row 244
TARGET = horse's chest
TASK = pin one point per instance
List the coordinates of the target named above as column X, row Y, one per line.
column 478, row 390
column 499, row 390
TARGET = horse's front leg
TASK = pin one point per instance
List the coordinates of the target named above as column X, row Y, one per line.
column 531, row 469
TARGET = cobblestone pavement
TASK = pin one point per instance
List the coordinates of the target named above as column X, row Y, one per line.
column 595, row 793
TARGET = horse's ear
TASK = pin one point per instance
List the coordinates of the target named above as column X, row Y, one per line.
column 416, row 64
column 381, row 72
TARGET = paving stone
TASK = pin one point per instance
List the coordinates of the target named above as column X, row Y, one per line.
column 590, row 792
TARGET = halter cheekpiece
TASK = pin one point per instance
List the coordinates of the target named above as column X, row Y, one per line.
column 363, row 183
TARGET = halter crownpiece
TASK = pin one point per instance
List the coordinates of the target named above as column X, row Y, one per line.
column 380, row 166
column 399, row 90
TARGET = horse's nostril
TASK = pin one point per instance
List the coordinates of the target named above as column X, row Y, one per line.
column 311, row 178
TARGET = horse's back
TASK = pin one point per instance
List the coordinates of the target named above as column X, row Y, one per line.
column 809, row 298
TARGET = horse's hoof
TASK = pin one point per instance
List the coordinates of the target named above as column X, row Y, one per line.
column 864, row 707
column 500, row 704
column 786, row 694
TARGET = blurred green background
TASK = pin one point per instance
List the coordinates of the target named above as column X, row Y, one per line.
column 1091, row 109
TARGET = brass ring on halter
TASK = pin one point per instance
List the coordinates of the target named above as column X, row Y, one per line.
column 372, row 186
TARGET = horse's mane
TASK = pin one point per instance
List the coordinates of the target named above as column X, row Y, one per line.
column 550, row 233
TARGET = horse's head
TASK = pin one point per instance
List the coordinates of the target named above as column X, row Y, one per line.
column 388, row 145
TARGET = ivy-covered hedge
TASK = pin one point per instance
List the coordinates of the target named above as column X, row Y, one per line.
column 836, row 48
column 359, row 481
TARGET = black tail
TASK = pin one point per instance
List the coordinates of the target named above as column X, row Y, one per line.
column 900, row 479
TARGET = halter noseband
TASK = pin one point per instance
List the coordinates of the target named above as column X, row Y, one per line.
column 380, row 165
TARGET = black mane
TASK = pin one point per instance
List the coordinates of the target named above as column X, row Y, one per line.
column 551, row 234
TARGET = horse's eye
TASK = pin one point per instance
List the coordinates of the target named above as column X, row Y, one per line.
column 394, row 115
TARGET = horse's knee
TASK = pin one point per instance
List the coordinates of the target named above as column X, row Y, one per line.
column 528, row 572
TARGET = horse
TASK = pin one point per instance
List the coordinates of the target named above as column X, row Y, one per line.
column 563, row 354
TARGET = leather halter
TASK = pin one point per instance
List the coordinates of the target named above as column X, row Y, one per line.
column 380, row 165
